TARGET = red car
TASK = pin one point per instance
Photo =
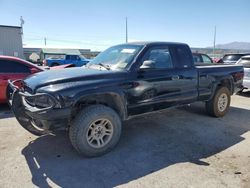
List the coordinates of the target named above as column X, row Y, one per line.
column 12, row 68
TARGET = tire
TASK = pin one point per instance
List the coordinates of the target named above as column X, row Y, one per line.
column 33, row 126
column 218, row 106
column 84, row 133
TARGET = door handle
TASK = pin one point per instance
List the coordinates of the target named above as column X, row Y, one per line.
column 175, row 77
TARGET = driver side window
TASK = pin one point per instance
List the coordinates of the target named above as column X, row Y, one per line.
column 160, row 57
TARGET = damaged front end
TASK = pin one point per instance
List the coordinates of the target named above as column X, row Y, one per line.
column 38, row 113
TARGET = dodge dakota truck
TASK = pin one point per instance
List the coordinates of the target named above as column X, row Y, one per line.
column 91, row 102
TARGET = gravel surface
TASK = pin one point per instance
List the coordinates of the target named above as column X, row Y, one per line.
column 174, row 148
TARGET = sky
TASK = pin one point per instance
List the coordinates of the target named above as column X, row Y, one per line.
column 98, row 24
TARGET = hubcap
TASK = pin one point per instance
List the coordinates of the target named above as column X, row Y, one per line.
column 222, row 102
column 99, row 133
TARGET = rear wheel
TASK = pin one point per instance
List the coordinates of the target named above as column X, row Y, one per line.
column 95, row 130
column 218, row 106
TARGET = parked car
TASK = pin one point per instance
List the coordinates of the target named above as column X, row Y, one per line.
column 232, row 58
column 14, row 68
column 121, row 82
column 245, row 62
column 200, row 58
column 76, row 60
column 216, row 59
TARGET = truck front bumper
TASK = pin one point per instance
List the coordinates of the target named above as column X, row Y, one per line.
column 49, row 118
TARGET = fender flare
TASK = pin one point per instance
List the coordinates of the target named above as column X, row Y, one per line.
column 219, row 82
column 114, row 99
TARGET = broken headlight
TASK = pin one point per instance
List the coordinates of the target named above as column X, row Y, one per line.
column 40, row 101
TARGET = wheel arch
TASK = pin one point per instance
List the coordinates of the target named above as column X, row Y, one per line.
column 223, row 82
column 227, row 82
column 114, row 100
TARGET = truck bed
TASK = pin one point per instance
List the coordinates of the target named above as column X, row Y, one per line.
column 209, row 74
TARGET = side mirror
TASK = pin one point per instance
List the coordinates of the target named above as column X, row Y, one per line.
column 148, row 64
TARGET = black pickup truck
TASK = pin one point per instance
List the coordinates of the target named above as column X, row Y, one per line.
column 125, row 80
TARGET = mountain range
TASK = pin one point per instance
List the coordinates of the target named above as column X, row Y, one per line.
column 234, row 46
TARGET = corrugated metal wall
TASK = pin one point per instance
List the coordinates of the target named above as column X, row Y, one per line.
column 11, row 41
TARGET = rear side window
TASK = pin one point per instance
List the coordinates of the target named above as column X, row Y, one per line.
column 8, row 66
column 197, row 58
column 183, row 56
column 74, row 57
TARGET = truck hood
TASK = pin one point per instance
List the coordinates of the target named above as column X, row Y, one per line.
column 50, row 77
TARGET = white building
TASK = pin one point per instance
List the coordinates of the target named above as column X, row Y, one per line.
column 11, row 41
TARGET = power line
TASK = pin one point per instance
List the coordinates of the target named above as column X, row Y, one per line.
column 45, row 40
column 74, row 36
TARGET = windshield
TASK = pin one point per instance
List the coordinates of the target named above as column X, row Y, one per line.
column 116, row 57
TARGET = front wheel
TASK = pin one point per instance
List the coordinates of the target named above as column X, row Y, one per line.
column 95, row 130
column 218, row 106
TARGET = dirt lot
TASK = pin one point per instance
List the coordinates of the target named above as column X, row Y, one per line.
column 176, row 148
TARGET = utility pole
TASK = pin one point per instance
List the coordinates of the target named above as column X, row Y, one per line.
column 45, row 41
column 126, row 30
column 214, row 40
column 21, row 24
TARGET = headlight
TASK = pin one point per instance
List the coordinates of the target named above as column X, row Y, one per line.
column 40, row 101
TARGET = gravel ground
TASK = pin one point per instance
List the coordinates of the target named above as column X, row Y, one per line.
column 174, row 148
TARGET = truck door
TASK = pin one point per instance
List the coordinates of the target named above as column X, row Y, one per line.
column 161, row 85
column 187, row 73
column 79, row 61
column 68, row 59
column 76, row 60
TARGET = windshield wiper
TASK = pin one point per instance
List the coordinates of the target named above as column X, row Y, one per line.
column 105, row 66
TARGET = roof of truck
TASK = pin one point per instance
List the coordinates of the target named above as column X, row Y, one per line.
column 61, row 51
column 154, row 42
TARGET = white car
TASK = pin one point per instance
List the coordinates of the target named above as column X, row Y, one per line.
column 245, row 61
